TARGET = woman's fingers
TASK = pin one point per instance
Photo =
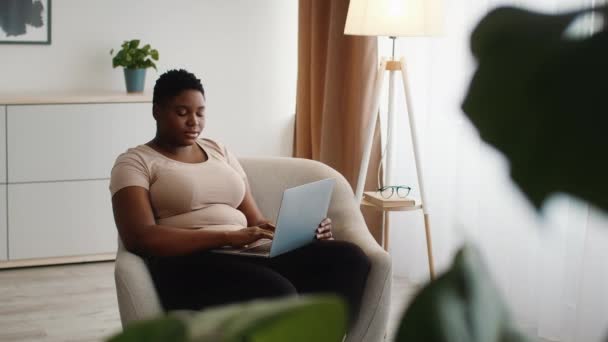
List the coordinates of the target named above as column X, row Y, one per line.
column 323, row 229
column 263, row 233
column 268, row 226
column 325, row 236
column 326, row 221
column 324, row 233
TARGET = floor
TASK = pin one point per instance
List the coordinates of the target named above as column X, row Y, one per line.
column 78, row 303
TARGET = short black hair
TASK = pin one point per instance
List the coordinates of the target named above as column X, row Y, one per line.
column 172, row 83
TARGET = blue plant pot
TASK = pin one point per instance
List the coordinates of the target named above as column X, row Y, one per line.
column 135, row 80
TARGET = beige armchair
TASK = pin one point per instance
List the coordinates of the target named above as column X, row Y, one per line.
column 268, row 177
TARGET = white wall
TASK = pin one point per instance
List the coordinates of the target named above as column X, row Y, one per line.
column 244, row 51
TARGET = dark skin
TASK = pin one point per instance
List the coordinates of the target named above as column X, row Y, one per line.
column 179, row 122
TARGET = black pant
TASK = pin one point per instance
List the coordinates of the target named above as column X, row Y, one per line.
column 205, row 279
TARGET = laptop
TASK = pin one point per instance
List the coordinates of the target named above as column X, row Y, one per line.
column 302, row 209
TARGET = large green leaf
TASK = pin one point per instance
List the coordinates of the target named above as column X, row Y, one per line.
column 156, row 330
column 462, row 305
column 318, row 318
column 538, row 96
column 302, row 319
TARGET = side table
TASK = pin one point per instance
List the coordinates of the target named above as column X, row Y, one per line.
column 385, row 229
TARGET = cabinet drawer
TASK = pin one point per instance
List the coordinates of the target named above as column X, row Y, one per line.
column 2, row 144
column 60, row 219
column 73, row 142
column 3, row 240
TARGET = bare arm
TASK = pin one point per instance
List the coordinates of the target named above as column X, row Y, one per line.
column 252, row 212
column 139, row 232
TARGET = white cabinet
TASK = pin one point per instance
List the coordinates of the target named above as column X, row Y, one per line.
column 60, row 219
column 2, row 144
column 71, row 142
column 3, row 231
column 56, row 154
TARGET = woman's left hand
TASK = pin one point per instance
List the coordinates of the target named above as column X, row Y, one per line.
column 324, row 230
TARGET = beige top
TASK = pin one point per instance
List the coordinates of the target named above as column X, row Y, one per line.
column 200, row 195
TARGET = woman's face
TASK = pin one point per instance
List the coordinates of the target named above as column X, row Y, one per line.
column 182, row 118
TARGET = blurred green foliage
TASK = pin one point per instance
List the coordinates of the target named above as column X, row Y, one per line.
column 461, row 305
column 539, row 96
column 298, row 319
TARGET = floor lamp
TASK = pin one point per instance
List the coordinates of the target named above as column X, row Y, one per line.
column 394, row 18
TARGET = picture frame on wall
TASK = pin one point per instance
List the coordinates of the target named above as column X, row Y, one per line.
column 25, row 22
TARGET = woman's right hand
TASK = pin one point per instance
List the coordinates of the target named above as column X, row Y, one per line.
column 245, row 236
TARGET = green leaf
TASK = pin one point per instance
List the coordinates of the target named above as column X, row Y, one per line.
column 154, row 54
column 461, row 305
column 118, row 60
column 149, row 64
column 146, row 48
column 538, row 96
column 303, row 319
column 156, row 330
column 134, row 44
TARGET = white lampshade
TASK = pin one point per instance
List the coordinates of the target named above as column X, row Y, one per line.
column 399, row 18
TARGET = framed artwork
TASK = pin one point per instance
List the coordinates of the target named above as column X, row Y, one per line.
column 25, row 21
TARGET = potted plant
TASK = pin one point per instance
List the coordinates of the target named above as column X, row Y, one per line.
column 135, row 61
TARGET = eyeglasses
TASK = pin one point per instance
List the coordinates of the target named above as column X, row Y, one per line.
column 388, row 191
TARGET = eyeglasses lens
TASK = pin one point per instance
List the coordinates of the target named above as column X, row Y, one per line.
column 387, row 192
column 403, row 192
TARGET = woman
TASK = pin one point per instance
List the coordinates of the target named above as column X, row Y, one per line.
column 178, row 196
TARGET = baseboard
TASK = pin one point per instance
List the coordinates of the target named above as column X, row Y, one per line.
column 57, row 260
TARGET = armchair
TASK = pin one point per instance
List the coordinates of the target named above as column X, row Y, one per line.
column 268, row 177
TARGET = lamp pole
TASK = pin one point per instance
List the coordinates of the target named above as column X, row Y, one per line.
column 388, row 173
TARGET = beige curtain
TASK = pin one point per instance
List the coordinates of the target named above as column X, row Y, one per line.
column 336, row 75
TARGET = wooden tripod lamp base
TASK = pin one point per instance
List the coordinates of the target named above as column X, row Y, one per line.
column 392, row 67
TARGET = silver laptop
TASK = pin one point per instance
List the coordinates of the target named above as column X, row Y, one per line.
column 302, row 209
